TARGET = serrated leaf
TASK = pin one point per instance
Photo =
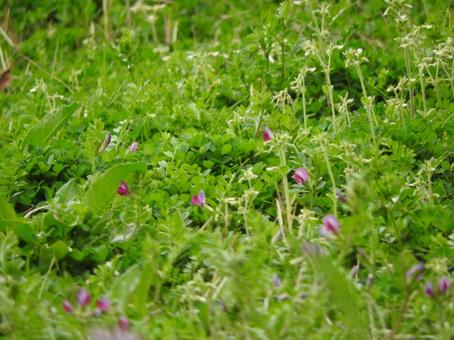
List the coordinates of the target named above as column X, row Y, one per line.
column 40, row 134
column 103, row 186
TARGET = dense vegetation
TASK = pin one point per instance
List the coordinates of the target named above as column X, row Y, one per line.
column 226, row 169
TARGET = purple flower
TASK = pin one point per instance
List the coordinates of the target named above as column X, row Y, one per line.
column 68, row 307
column 133, row 147
column 83, row 297
column 428, row 290
column 311, row 249
column 330, row 226
column 103, row 304
column 123, row 189
column 341, row 196
column 444, row 284
column 276, row 281
column 415, row 271
column 198, row 199
column 267, row 134
column 301, row 176
column 123, row 323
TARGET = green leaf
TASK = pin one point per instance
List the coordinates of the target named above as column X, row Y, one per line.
column 59, row 249
column 6, row 209
column 22, row 229
column 103, row 186
column 345, row 298
column 41, row 133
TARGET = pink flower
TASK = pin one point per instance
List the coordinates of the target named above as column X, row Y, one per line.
column 330, row 226
column 444, row 284
column 68, row 307
column 133, row 147
column 198, row 199
column 83, row 297
column 301, row 176
column 267, row 134
column 123, row 323
column 123, row 189
column 103, row 304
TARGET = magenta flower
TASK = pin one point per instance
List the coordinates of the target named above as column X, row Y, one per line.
column 199, row 199
column 123, row 323
column 330, row 226
column 133, row 147
column 267, row 134
column 68, row 307
column 301, row 176
column 123, row 189
column 428, row 290
column 83, row 297
column 444, row 284
column 103, row 304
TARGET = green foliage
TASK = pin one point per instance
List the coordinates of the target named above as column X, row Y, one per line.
column 360, row 94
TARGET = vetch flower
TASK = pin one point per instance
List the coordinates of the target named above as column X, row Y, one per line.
column 123, row 323
column 276, row 281
column 267, row 134
column 444, row 284
column 133, row 147
column 199, row 199
column 103, row 304
column 123, row 189
column 68, row 307
column 330, row 226
column 428, row 290
column 340, row 195
column 301, row 176
column 83, row 297
column 415, row 271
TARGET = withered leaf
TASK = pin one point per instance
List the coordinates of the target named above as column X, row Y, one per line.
column 5, row 79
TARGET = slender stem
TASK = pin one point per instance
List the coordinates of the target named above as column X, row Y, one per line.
column 423, row 91
column 408, row 67
column 333, row 182
column 303, row 93
column 369, row 110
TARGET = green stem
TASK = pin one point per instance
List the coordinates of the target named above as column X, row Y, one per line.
column 333, row 182
column 423, row 91
column 303, row 94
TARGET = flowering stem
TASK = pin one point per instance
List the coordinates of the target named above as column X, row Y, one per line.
column 423, row 91
column 407, row 65
column 330, row 93
column 303, row 94
column 369, row 110
column 285, row 186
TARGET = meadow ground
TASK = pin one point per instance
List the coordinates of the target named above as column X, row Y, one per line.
column 196, row 169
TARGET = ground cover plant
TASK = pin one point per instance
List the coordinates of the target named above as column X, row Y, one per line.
column 226, row 169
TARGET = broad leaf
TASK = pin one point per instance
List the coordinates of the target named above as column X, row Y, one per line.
column 40, row 134
column 103, row 187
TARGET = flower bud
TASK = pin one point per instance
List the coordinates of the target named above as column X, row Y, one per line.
column 428, row 290
column 103, row 304
column 444, row 284
column 83, row 297
column 123, row 189
column 67, row 307
column 123, row 323
column 267, row 134
column 301, row 176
